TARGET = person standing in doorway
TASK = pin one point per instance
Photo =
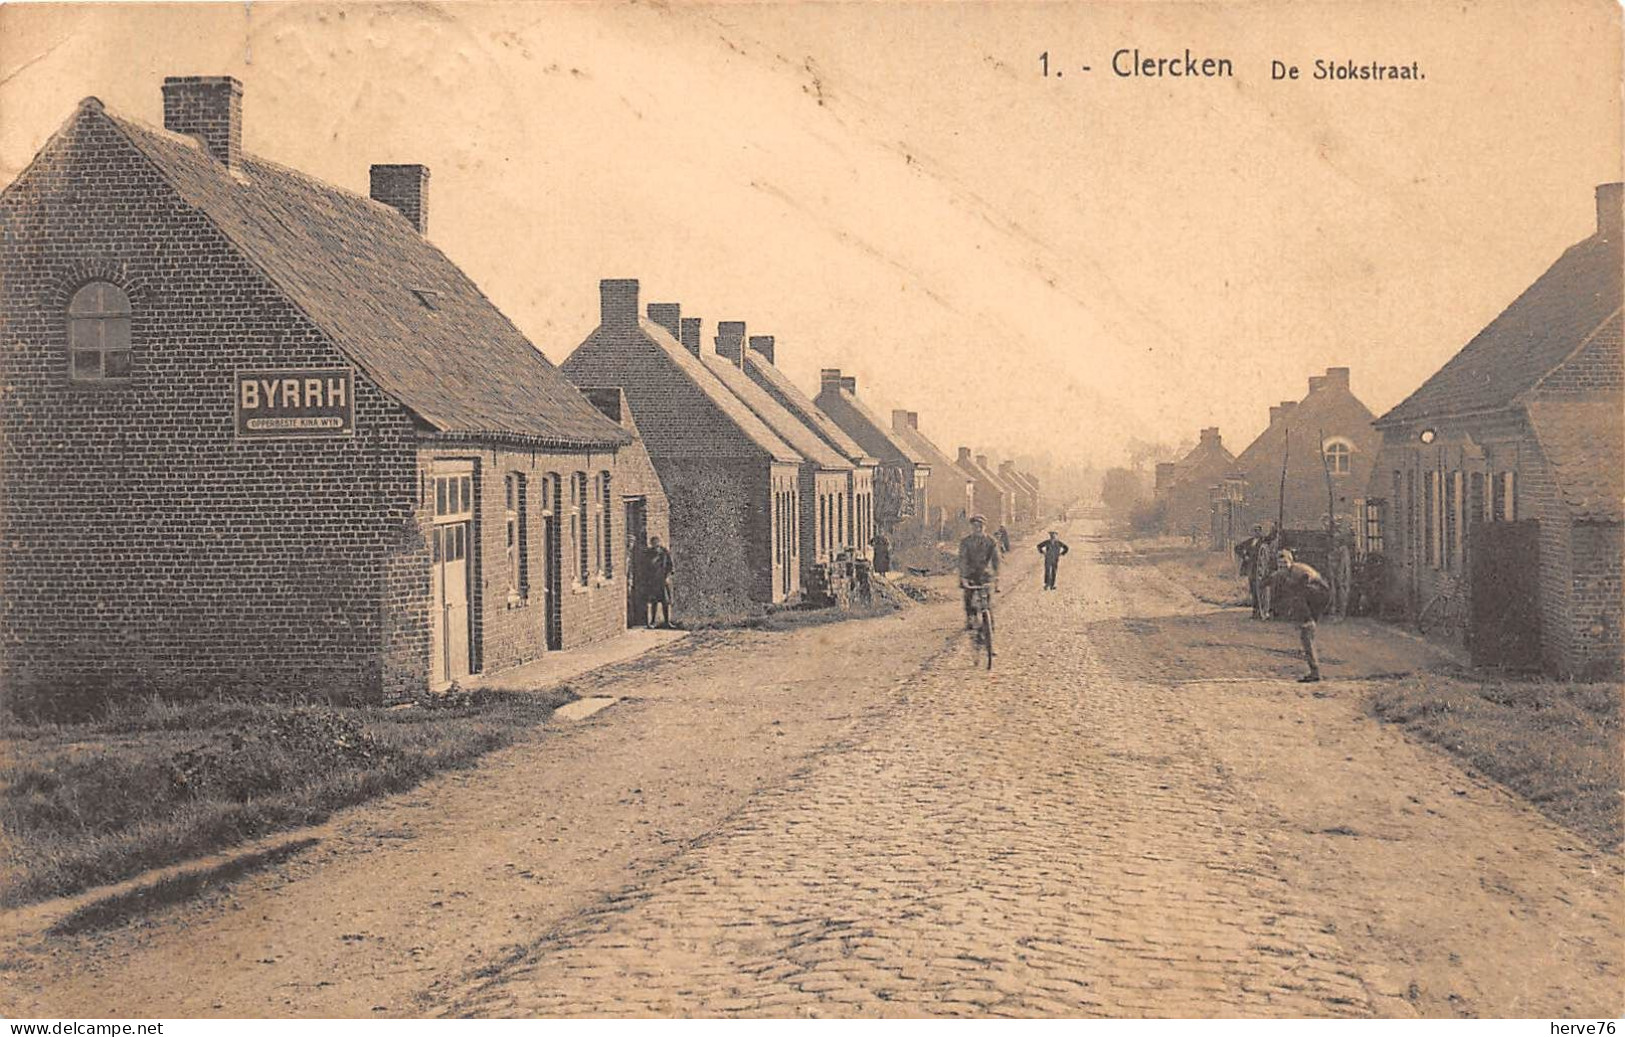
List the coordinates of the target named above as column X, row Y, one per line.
column 881, row 543
column 1303, row 589
column 657, row 572
column 1052, row 550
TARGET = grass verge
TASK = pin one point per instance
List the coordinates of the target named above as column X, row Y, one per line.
column 155, row 782
column 1556, row 744
column 1211, row 576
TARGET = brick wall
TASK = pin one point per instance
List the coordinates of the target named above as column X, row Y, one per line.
column 138, row 533
column 1595, row 648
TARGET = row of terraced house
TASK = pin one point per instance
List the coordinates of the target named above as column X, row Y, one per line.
column 259, row 431
column 1500, row 480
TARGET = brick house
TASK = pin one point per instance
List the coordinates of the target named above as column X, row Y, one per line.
column 829, row 516
column 1185, row 488
column 950, row 496
column 1007, row 492
column 260, row 432
column 1026, row 494
column 902, row 479
column 1502, row 476
column 733, row 484
column 859, row 525
column 990, row 498
column 1329, row 413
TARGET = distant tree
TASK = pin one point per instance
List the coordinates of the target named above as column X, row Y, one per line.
column 894, row 500
column 1120, row 490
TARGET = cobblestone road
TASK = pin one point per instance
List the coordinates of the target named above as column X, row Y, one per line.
column 1047, row 839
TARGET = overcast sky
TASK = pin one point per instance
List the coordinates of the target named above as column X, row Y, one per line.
column 898, row 191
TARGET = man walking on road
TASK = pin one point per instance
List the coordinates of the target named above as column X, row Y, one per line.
column 978, row 565
column 1052, row 549
column 1309, row 594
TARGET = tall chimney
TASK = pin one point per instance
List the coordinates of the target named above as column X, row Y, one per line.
column 829, row 378
column 1609, row 216
column 964, row 455
column 850, row 384
column 618, row 302
column 209, row 108
column 913, row 419
column 668, row 315
column 404, row 187
column 1317, row 382
column 691, row 335
column 1275, row 415
column 899, row 419
column 1337, row 378
column 763, row 344
column 730, row 341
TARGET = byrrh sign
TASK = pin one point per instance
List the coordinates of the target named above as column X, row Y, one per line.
column 296, row 404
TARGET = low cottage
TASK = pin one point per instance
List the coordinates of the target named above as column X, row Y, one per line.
column 903, row 475
column 950, row 497
column 259, row 432
column 1502, row 478
column 732, row 483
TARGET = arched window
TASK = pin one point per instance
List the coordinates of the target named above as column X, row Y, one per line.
column 99, row 334
column 1338, row 454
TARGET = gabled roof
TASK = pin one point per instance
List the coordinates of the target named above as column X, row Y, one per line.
column 1264, row 453
column 939, row 461
column 355, row 267
column 1584, row 442
column 784, row 424
column 647, row 341
column 882, row 429
column 779, row 386
column 1535, row 334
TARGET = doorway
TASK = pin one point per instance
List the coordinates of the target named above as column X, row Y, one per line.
column 552, row 564
column 637, row 539
column 451, row 542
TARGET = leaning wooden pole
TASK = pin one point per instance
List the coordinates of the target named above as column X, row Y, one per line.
column 1331, row 520
column 1280, row 512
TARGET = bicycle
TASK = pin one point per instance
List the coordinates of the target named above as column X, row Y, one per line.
column 1445, row 613
column 982, row 603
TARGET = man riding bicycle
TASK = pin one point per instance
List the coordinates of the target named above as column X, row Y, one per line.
column 978, row 565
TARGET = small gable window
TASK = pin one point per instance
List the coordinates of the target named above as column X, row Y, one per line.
column 99, row 334
column 1338, row 456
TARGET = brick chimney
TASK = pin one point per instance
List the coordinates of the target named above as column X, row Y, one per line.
column 981, row 462
column 668, row 315
column 829, row 378
column 899, row 419
column 1275, row 415
column 1337, row 378
column 404, row 187
column 1211, row 435
column 730, row 341
column 1317, row 382
column 691, row 335
column 914, row 419
column 763, row 345
column 850, row 384
column 618, row 302
column 964, row 455
column 1609, row 217
column 1286, row 407
column 209, row 108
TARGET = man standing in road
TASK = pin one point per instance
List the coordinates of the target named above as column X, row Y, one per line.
column 978, row 565
column 1003, row 537
column 656, row 581
column 1308, row 594
column 1052, row 549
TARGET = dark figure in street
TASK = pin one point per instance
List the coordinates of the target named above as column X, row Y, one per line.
column 1247, row 557
column 656, row 582
column 1052, row 549
column 1304, row 590
column 882, row 552
column 978, row 564
column 1003, row 536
